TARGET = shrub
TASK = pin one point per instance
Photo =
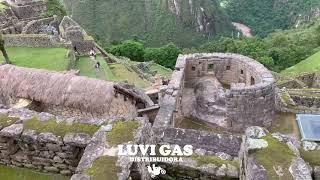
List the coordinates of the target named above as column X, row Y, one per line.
column 54, row 7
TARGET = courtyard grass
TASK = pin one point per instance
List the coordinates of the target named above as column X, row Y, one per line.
column 59, row 129
column 308, row 65
column 15, row 173
column 41, row 58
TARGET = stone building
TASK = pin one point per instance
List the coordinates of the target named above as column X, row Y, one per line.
column 228, row 90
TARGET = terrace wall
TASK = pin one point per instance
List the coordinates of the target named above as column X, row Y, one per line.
column 45, row 152
column 31, row 40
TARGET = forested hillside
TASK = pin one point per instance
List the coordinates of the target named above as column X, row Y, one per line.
column 157, row 22
column 277, row 51
column 264, row 16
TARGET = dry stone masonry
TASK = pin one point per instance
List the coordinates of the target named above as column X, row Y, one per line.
column 246, row 100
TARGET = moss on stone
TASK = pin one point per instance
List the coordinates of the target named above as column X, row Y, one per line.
column 5, row 120
column 2, row 6
column 122, row 131
column 311, row 157
column 276, row 155
column 203, row 160
column 285, row 97
column 59, row 129
column 103, row 168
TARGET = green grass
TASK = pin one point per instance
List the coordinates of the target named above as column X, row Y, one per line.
column 203, row 160
column 164, row 72
column 312, row 157
column 42, row 58
column 285, row 123
column 308, row 65
column 122, row 132
column 7, row 121
column 189, row 123
column 14, row 173
column 109, row 72
column 103, row 168
column 121, row 73
column 59, row 129
column 86, row 67
column 276, row 154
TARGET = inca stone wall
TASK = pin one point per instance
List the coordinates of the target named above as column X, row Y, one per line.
column 31, row 40
column 250, row 99
column 29, row 10
column 208, row 141
column 45, row 152
column 33, row 27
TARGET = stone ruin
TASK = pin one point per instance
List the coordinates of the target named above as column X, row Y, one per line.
column 226, row 90
column 106, row 114
column 23, row 24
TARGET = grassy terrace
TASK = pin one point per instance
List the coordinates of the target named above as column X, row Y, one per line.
column 109, row 72
column 14, row 173
column 308, row 65
column 86, row 67
column 276, row 155
column 121, row 73
column 164, row 72
column 41, row 58
column 122, row 132
column 59, row 129
column 104, row 168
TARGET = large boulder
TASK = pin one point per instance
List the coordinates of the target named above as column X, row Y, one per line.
column 210, row 102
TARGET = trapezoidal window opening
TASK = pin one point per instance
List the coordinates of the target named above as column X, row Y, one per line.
column 252, row 81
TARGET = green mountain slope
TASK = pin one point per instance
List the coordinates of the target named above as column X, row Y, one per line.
column 310, row 64
column 158, row 22
column 264, row 16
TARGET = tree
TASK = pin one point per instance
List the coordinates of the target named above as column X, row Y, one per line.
column 3, row 50
column 130, row 49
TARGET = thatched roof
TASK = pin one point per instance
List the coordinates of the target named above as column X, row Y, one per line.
column 53, row 88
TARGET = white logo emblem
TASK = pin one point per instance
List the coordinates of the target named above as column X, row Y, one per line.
column 155, row 171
